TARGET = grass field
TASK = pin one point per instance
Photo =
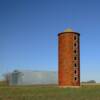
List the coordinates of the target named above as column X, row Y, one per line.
column 85, row 92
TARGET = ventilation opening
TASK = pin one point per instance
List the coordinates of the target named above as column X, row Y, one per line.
column 74, row 51
column 75, row 65
column 74, row 44
column 74, row 58
column 74, row 37
column 75, row 78
column 75, row 71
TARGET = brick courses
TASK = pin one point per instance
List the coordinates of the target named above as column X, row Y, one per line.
column 69, row 59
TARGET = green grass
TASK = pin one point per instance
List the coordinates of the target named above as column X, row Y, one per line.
column 85, row 92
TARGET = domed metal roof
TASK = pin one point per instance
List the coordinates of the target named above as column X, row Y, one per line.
column 68, row 30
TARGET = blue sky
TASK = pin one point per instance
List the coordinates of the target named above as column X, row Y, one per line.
column 29, row 28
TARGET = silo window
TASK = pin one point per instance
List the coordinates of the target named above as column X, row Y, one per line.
column 75, row 65
column 74, row 58
column 75, row 71
column 75, row 78
column 74, row 44
column 74, row 37
column 74, row 51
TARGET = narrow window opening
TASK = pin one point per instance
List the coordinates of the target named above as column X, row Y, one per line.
column 75, row 71
column 74, row 44
column 75, row 78
column 74, row 51
column 74, row 37
column 75, row 65
column 74, row 58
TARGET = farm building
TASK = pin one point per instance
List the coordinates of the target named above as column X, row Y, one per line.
column 33, row 77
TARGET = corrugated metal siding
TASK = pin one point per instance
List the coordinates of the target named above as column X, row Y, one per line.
column 36, row 77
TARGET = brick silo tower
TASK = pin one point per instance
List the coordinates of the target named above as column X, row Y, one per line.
column 69, row 58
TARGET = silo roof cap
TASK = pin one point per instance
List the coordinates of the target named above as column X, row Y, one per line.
column 68, row 30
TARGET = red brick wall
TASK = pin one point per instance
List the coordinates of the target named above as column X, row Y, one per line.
column 68, row 59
